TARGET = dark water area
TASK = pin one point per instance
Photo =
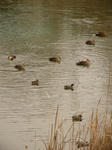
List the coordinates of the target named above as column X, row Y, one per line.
column 34, row 31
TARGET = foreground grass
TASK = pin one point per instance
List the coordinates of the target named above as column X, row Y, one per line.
column 97, row 135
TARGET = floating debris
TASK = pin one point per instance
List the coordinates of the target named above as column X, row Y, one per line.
column 26, row 146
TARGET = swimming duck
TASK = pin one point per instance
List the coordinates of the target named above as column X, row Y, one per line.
column 77, row 117
column 90, row 42
column 55, row 59
column 84, row 63
column 20, row 67
column 69, row 87
column 101, row 34
column 36, row 82
column 12, row 57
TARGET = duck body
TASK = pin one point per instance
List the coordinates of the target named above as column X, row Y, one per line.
column 84, row 63
column 101, row 34
column 77, row 117
column 36, row 82
column 90, row 42
column 20, row 67
column 55, row 59
column 69, row 87
column 12, row 57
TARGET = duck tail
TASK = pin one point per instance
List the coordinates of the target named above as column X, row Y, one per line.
column 72, row 85
column 77, row 63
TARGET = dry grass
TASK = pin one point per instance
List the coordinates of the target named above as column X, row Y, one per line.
column 98, row 132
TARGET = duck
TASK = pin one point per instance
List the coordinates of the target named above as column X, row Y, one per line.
column 69, row 87
column 84, row 63
column 12, row 57
column 77, row 117
column 20, row 67
column 36, row 82
column 90, row 42
column 55, row 59
column 101, row 34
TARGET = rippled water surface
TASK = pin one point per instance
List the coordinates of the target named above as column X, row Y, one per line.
column 35, row 30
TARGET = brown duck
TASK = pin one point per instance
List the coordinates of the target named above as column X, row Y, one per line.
column 20, row 67
column 12, row 57
column 101, row 34
column 36, row 82
column 84, row 63
column 55, row 59
column 90, row 42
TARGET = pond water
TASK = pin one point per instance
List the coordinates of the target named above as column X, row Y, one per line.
column 34, row 31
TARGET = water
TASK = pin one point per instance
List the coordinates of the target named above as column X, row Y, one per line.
column 34, row 31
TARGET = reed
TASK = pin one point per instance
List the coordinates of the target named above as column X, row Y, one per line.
column 96, row 135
